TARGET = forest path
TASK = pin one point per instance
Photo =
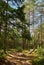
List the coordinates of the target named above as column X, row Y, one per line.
column 19, row 59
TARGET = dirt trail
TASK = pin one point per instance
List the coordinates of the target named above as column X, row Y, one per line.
column 19, row 59
column 16, row 59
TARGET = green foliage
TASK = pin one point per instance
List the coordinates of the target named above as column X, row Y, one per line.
column 13, row 36
column 38, row 61
column 19, row 49
column 2, row 55
column 21, row 14
column 26, row 34
column 40, row 50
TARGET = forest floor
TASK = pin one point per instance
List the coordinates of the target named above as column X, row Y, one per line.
column 17, row 58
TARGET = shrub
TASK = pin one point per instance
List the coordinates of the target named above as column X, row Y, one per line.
column 2, row 55
column 19, row 49
column 39, row 51
column 38, row 61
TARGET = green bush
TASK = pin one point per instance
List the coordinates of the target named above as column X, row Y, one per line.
column 2, row 55
column 39, row 50
column 38, row 61
column 19, row 49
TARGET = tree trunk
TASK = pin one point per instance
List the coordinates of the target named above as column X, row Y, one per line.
column 5, row 37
